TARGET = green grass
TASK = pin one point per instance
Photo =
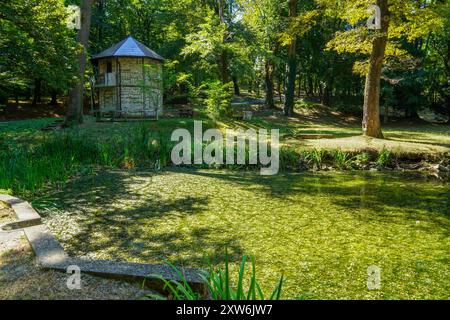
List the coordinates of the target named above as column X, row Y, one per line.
column 322, row 231
column 31, row 160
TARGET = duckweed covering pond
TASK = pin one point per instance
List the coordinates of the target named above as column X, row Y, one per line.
column 321, row 230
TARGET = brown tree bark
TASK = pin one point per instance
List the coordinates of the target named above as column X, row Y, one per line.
column 291, row 67
column 371, row 125
column 269, row 83
column 54, row 95
column 237, row 90
column 224, row 59
column 37, row 92
column 74, row 114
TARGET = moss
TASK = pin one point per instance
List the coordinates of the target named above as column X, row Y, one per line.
column 321, row 230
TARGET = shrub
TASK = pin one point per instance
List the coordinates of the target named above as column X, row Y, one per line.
column 289, row 158
column 362, row 158
column 218, row 99
column 342, row 159
column 317, row 157
column 384, row 158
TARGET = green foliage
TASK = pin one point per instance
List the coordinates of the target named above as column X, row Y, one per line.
column 218, row 99
column 317, row 157
column 36, row 45
column 219, row 284
column 27, row 169
column 244, row 44
column 342, row 159
column 384, row 158
column 304, row 104
column 362, row 158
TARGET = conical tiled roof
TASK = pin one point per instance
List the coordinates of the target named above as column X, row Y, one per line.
column 128, row 47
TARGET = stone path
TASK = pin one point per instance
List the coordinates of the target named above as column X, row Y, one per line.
column 8, row 239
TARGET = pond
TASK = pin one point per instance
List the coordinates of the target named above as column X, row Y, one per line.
column 321, row 230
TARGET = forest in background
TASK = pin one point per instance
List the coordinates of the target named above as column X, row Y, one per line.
column 280, row 50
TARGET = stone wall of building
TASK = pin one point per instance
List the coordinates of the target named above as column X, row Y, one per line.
column 139, row 85
column 108, row 99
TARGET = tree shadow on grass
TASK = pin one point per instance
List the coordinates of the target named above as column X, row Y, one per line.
column 127, row 233
column 123, row 222
column 413, row 193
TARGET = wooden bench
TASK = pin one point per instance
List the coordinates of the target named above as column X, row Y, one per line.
column 124, row 115
column 181, row 112
column 243, row 115
column 55, row 125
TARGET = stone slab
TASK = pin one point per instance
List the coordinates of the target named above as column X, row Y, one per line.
column 46, row 247
column 24, row 212
column 149, row 274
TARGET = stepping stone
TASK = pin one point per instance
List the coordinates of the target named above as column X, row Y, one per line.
column 133, row 271
column 47, row 249
column 24, row 212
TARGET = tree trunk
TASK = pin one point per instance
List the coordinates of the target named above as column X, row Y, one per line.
column 299, row 92
column 224, row 60
column 74, row 113
column 291, row 67
column 237, row 90
column 37, row 95
column 310, row 86
column 54, row 101
column 328, row 94
column 269, row 84
column 371, row 121
column 447, row 85
column 386, row 114
column 279, row 90
column 224, row 67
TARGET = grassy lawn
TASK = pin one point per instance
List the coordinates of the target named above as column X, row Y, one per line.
column 322, row 231
column 401, row 138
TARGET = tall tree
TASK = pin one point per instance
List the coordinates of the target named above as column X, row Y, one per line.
column 402, row 21
column 224, row 58
column 263, row 18
column 371, row 125
column 74, row 113
column 291, row 66
column 37, row 48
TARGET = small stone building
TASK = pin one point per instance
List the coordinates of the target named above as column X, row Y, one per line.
column 128, row 81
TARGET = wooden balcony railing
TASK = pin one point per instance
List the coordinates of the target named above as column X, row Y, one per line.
column 106, row 80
